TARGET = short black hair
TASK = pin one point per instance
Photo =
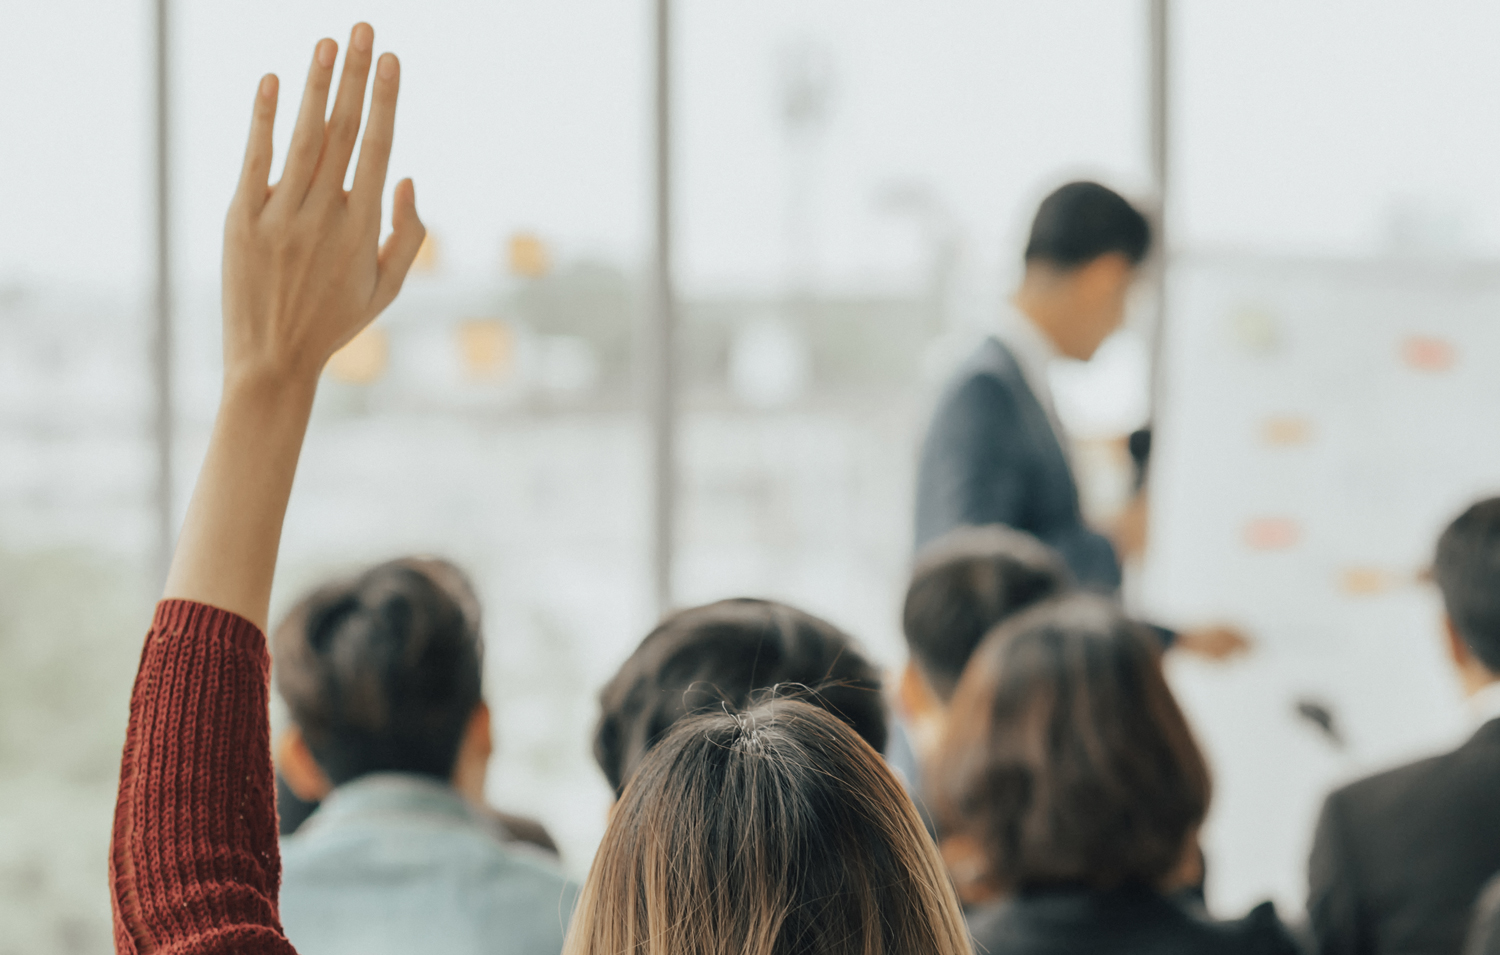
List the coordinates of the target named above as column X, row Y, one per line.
column 967, row 582
column 382, row 672
column 1081, row 221
column 732, row 653
column 1467, row 571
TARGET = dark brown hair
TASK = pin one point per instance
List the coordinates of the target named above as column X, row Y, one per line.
column 964, row 584
column 730, row 653
column 382, row 672
column 1067, row 761
column 776, row 831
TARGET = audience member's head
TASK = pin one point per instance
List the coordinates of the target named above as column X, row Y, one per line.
column 381, row 673
column 731, row 653
column 965, row 583
column 773, row 831
column 1086, row 245
column 1067, row 762
column 1467, row 571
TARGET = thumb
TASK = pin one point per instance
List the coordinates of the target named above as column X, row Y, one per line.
column 400, row 247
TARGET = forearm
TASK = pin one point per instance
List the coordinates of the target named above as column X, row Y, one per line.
column 194, row 866
column 226, row 554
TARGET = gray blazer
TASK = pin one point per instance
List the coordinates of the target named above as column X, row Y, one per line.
column 992, row 457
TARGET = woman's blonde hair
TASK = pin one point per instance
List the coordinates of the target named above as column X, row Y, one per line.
column 775, row 831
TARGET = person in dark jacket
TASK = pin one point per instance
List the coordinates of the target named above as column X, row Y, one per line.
column 996, row 451
column 1484, row 933
column 1069, row 792
column 1399, row 858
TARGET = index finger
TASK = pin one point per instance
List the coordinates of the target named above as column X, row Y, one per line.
column 375, row 149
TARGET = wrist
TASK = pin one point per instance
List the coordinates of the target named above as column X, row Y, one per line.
column 264, row 380
column 268, row 389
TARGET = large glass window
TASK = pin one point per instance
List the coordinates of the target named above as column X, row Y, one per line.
column 854, row 180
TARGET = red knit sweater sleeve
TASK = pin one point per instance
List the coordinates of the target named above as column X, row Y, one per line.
column 194, row 865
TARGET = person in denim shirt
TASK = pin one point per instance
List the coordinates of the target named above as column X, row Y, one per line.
column 382, row 678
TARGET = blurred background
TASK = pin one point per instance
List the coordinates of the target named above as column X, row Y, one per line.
column 852, row 182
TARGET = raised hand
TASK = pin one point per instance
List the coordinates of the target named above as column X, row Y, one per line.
column 303, row 272
column 303, row 267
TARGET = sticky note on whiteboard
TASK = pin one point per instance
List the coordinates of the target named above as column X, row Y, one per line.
column 1366, row 581
column 1255, row 330
column 1285, row 431
column 1425, row 353
column 1272, row 533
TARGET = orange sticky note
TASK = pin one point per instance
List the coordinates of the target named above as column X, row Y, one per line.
column 1425, row 353
column 527, row 256
column 1286, row 430
column 1272, row 533
column 1365, row 581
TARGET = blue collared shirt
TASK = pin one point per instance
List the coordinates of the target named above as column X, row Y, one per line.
column 400, row 864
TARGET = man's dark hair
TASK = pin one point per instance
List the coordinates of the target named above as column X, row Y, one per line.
column 382, row 673
column 1066, row 760
column 964, row 584
column 733, row 653
column 1467, row 571
column 1081, row 221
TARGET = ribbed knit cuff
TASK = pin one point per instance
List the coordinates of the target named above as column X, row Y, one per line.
column 194, row 865
column 174, row 618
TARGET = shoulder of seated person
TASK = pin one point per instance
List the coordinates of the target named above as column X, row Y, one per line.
column 1261, row 930
column 1407, row 783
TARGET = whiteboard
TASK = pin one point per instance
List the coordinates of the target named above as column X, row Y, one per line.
column 1321, row 422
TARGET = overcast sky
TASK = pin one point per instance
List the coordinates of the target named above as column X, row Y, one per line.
column 1299, row 126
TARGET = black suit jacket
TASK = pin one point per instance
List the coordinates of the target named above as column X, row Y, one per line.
column 1399, row 858
column 1123, row 922
column 992, row 457
column 1484, row 931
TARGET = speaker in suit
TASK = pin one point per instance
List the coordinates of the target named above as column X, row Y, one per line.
column 995, row 452
column 993, row 455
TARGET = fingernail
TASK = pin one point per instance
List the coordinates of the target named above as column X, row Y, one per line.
column 387, row 66
column 268, row 85
column 327, row 52
column 364, row 37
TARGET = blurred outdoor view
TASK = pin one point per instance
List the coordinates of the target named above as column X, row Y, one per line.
column 853, row 181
